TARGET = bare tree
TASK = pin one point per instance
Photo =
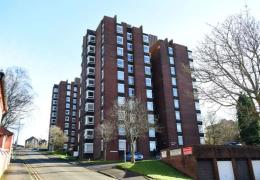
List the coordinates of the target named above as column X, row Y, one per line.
column 132, row 117
column 107, row 131
column 228, row 61
column 57, row 138
column 19, row 96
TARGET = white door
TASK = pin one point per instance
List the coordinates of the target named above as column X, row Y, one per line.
column 256, row 169
column 225, row 170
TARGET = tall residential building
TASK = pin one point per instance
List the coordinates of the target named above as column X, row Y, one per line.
column 117, row 64
column 65, row 110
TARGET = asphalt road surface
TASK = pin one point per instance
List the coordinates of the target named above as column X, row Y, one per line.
column 34, row 165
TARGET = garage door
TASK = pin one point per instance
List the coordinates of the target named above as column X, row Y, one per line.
column 242, row 170
column 256, row 169
column 225, row 170
column 205, row 170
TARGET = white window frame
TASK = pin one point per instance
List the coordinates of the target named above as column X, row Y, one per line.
column 119, row 29
column 151, row 132
column 120, row 51
column 173, row 72
column 152, row 145
column 179, row 128
column 150, row 118
column 129, row 46
column 145, row 38
column 131, row 92
column 91, row 59
column 91, row 70
column 91, row 49
column 129, row 36
column 147, row 59
column 120, row 40
column 171, row 60
column 88, row 148
column 177, row 115
column 90, row 38
column 180, row 140
column 120, row 63
column 87, row 120
column 147, row 70
column 86, row 136
column 131, row 80
column 170, row 50
column 175, row 92
column 120, row 75
column 130, row 57
column 150, row 106
column 149, row 93
column 88, row 96
column 88, row 82
column 176, row 103
column 120, row 88
column 146, row 48
column 130, row 68
column 88, row 109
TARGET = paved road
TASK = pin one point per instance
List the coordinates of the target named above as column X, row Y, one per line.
column 43, row 168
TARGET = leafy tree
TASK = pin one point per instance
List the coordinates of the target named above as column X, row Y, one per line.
column 248, row 120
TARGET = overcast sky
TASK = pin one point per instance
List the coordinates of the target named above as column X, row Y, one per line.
column 45, row 37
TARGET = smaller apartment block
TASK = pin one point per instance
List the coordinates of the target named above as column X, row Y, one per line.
column 177, row 104
column 65, row 110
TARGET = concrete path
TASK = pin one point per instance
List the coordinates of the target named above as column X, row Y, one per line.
column 16, row 171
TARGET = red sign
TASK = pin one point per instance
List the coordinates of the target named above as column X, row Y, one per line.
column 187, row 151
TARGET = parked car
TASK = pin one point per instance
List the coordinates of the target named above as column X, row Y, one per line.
column 233, row 143
column 138, row 156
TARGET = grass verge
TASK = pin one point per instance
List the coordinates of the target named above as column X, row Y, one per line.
column 154, row 169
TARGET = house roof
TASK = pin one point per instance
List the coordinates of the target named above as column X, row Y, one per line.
column 4, row 131
column 31, row 138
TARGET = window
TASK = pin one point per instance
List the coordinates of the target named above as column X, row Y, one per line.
column 65, row 146
column 147, row 70
column 202, row 140
column 131, row 92
column 129, row 36
column 53, row 114
column 120, row 63
column 175, row 92
column 176, row 103
column 102, row 50
column 91, row 59
column 53, row 120
column 89, row 120
column 170, row 50
column 68, row 93
column 197, row 106
column 121, row 100
column 102, row 87
column 90, row 94
column 67, row 118
column 151, row 118
column 91, row 70
column 72, row 140
column 174, row 83
column 180, row 140
column 73, row 126
column 54, row 108
column 73, row 120
column 89, row 107
column 102, row 74
column 75, row 95
column 131, row 80
column 172, row 70
column 152, row 145
column 74, row 101
column 119, row 29
column 121, row 130
column 91, row 49
column 54, row 102
column 121, row 144
column 119, row 40
column 55, row 90
column 148, row 82
column 151, row 132
column 130, row 57
column 68, row 87
column 102, row 115
column 171, row 60
column 67, row 99
column 189, row 54
column 129, row 46
column 195, row 93
column 150, row 106
column 120, row 51
column 88, row 148
column 179, row 129
column 200, row 129
column 146, row 38
column 55, row 95
column 130, row 69
column 67, row 105
column 67, row 112
column 89, row 134
column 120, row 75
column 191, row 65
column 102, row 100
column 90, row 82
column 146, row 49
column 91, row 38
column 72, row 133
column 74, row 113
column 199, row 118
column 177, row 115
column 75, row 89
column 147, row 59
column 120, row 88
column 149, row 93
column 66, row 125
column 66, row 132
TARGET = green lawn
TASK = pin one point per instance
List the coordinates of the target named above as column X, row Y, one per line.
column 98, row 162
column 154, row 169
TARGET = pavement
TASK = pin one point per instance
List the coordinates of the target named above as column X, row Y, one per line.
column 31, row 165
